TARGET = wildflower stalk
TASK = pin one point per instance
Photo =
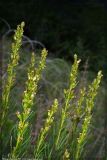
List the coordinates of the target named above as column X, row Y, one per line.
column 69, row 95
column 27, row 102
column 89, row 107
column 76, row 119
column 11, row 72
column 48, row 123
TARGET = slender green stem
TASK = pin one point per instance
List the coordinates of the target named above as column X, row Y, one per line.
column 69, row 95
column 11, row 72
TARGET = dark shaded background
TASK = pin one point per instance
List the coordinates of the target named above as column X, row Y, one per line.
column 64, row 27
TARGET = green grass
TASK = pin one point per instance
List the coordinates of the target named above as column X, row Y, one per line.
column 55, row 135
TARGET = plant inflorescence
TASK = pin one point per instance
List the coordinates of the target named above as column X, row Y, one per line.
column 64, row 132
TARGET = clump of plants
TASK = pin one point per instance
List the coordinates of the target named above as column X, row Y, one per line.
column 64, row 132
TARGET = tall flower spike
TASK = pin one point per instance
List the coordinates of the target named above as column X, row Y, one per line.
column 44, row 131
column 34, row 75
column 11, row 72
column 69, row 95
column 93, row 88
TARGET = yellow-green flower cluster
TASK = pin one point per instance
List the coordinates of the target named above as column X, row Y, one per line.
column 44, row 131
column 11, row 73
column 34, row 75
column 93, row 92
column 89, row 106
column 80, row 102
column 66, row 155
column 69, row 93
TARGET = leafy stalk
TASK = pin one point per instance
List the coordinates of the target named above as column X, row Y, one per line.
column 27, row 102
column 48, row 123
column 89, row 107
column 69, row 95
column 11, row 70
column 76, row 119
